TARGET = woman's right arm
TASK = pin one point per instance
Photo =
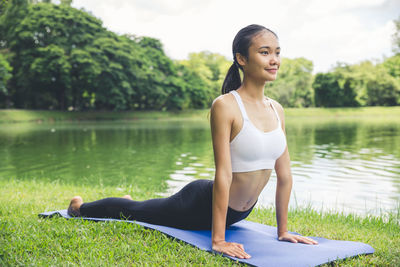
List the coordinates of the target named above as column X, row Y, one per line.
column 221, row 123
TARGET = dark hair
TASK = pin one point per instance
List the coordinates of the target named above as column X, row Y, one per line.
column 240, row 45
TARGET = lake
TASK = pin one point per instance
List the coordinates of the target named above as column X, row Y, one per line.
column 338, row 164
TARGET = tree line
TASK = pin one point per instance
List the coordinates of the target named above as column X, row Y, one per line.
column 54, row 56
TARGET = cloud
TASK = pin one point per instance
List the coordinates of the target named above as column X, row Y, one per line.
column 162, row 7
column 328, row 8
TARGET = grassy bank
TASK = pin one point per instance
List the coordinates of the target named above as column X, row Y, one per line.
column 27, row 240
column 14, row 115
column 17, row 115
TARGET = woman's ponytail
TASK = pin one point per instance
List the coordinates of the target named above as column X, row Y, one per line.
column 232, row 79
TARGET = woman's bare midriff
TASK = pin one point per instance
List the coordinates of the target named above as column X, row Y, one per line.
column 246, row 187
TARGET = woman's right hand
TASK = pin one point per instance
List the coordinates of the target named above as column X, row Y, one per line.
column 231, row 249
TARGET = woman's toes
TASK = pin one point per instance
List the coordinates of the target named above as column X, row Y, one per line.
column 74, row 205
column 77, row 199
column 127, row 197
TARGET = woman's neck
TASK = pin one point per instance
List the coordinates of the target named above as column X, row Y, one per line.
column 254, row 91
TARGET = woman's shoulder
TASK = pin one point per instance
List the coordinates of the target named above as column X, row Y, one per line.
column 223, row 105
column 222, row 101
column 276, row 104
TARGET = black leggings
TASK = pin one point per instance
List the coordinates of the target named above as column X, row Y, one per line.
column 190, row 208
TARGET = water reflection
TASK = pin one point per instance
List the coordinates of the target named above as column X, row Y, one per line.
column 346, row 165
column 191, row 169
column 349, row 166
column 143, row 153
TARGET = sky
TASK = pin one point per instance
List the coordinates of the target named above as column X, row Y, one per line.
column 325, row 32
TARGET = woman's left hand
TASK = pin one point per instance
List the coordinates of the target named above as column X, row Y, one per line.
column 296, row 238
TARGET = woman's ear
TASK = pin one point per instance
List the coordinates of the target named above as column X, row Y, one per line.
column 241, row 59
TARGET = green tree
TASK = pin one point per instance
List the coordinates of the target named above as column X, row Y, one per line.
column 89, row 61
column 196, row 88
column 348, row 79
column 375, row 84
column 336, row 88
column 84, row 72
column 326, row 90
column 50, row 71
column 362, row 84
column 293, row 87
column 9, row 20
column 3, row 5
column 211, row 68
column 63, row 58
column 392, row 66
column 383, row 90
column 66, row 2
column 159, row 74
column 116, row 63
column 5, row 75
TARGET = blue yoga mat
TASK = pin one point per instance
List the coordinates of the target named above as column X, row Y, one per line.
column 260, row 241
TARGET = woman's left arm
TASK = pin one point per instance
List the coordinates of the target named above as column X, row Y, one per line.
column 283, row 189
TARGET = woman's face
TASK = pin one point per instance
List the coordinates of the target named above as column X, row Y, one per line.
column 264, row 60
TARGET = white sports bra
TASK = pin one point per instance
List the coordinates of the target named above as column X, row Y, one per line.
column 253, row 149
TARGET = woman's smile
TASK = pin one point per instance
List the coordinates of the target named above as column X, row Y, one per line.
column 273, row 71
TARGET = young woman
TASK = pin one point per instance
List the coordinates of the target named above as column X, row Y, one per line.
column 248, row 134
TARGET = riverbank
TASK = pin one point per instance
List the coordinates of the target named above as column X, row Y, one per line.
column 27, row 240
column 18, row 115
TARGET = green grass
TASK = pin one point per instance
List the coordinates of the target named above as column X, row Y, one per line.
column 343, row 112
column 16, row 115
column 20, row 115
column 26, row 239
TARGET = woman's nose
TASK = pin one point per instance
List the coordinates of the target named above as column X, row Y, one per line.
column 274, row 60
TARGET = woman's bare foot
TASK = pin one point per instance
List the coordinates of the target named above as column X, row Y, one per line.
column 74, row 205
column 127, row 197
